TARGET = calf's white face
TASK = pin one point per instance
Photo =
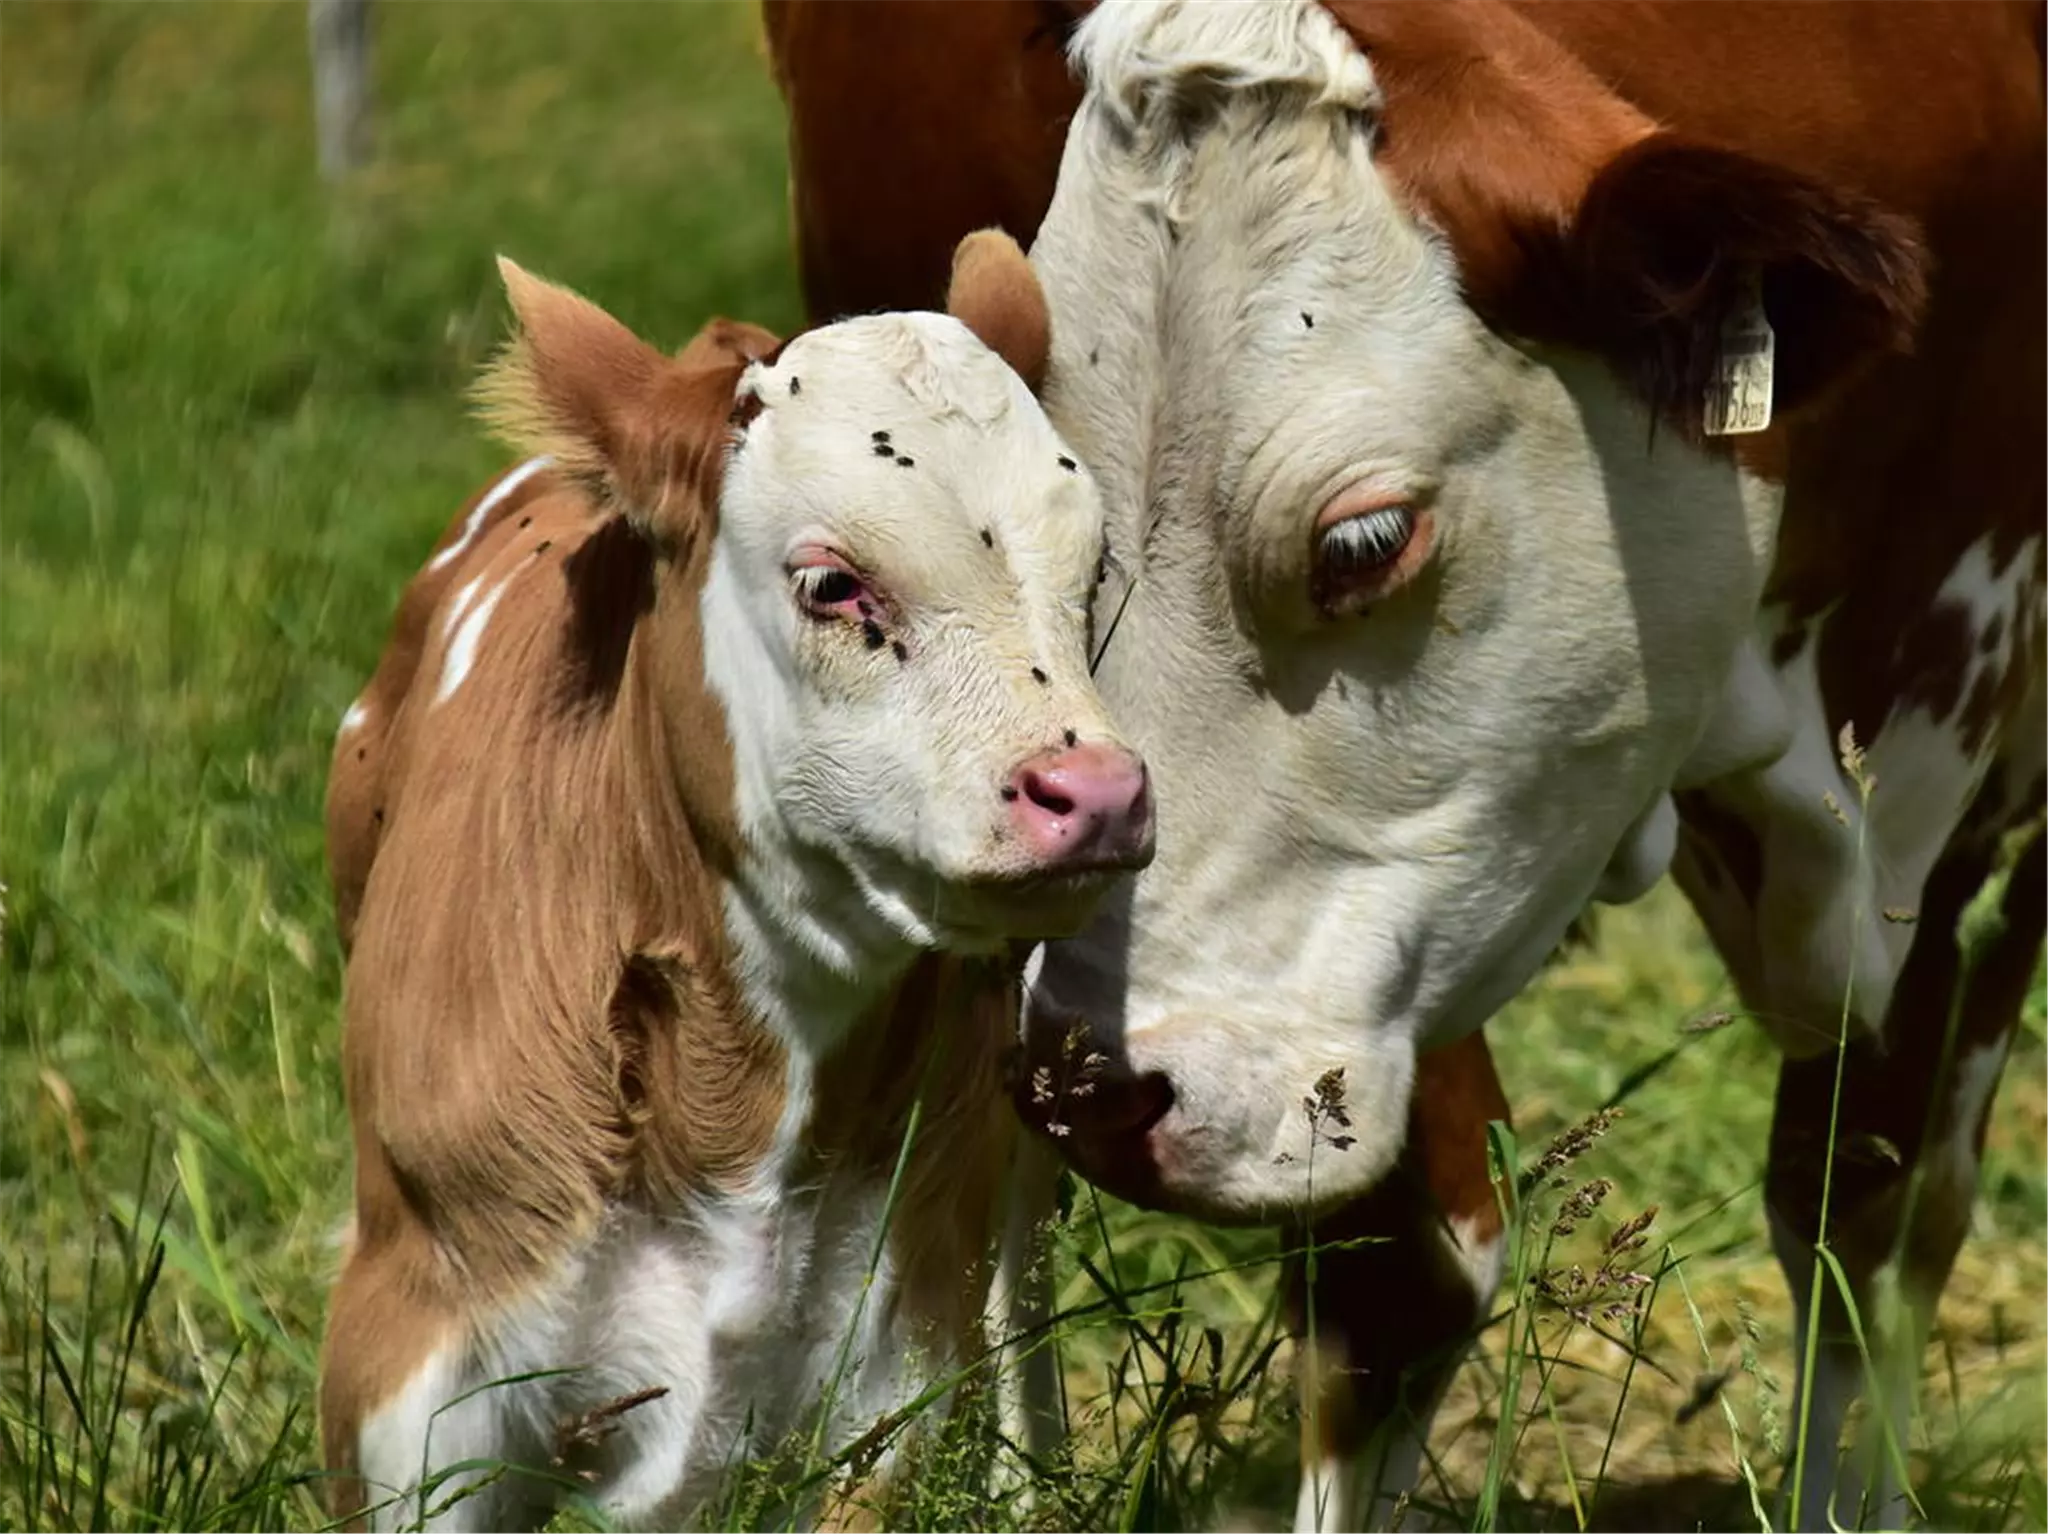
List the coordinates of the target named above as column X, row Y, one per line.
column 1415, row 627
column 895, row 621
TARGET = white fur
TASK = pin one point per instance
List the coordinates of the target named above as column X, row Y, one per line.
column 492, row 499
column 893, row 787
column 738, row 1310
column 1371, row 830
column 466, row 631
column 358, row 714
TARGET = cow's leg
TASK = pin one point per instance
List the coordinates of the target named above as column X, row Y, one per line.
column 1913, row 1102
column 1392, row 1318
column 395, row 1370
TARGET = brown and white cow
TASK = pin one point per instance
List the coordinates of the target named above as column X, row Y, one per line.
column 1438, row 603
column 711, row 748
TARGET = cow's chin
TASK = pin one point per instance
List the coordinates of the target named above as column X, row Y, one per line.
column 1229, row 1123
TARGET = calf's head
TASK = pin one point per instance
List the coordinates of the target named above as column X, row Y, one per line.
column 874, row 554
column 1387, row 350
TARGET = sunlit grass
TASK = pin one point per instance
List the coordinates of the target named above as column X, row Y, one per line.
column 230, row 426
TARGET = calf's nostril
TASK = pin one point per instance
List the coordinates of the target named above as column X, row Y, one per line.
column 1043, row 793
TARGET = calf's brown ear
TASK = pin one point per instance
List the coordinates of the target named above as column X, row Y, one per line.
column 995, row 293
column 1673, row 238
column 641, row 430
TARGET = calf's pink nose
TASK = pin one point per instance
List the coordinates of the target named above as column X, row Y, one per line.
column 1083, row 807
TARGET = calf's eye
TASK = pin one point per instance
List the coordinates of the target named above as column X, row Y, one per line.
column 825, row 588
column 1364, row 548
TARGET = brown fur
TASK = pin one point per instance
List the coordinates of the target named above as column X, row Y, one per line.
column 551, row 990
column 996, row 295
column 879, row 207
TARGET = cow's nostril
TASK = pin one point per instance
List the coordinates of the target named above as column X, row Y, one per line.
column 1043, row 794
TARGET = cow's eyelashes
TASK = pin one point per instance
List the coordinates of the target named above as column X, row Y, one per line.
column 1368, row 542
column 1364, row 556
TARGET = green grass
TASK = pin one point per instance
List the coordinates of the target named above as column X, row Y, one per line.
column 230, row 426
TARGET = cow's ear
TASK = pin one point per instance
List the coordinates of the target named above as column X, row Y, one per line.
column 642, row 431
column 1675, row 241
column 995, row 294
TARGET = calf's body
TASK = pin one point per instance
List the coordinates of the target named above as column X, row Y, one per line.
column 644, row 996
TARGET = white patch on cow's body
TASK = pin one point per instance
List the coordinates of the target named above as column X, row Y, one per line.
column 492, row 499
column 1817, row 932
column 1371, row 831
column 466, row 632
column 358, row 713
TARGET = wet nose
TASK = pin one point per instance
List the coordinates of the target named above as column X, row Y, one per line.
column 1083, row 807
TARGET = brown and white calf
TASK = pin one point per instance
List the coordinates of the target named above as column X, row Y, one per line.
column 719, row 753
column 1401, row 338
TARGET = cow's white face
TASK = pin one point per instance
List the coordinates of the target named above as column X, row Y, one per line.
column 895, row 623
column 1415, row 626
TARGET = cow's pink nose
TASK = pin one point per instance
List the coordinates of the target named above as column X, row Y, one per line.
column 1083, row 807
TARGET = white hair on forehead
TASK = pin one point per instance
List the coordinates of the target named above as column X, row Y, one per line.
column 936, row 360
column 1135, row 53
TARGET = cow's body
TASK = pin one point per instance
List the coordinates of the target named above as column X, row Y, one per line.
column 1901, row 501
column 654, row 1079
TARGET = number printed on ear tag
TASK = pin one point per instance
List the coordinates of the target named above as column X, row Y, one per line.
column 1739, row 394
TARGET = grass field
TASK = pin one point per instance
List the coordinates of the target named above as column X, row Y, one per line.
column 230, row 426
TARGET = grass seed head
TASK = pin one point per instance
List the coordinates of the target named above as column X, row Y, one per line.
column 1577, row 1140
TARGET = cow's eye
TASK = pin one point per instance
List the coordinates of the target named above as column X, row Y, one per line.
column 827, row 589
column 1363, row 555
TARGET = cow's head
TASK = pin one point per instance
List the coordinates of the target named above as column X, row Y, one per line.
column 1388, row 350
column 876, row 552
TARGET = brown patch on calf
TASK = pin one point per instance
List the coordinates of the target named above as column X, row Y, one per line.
column 541, row 1014
column 356, row 783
